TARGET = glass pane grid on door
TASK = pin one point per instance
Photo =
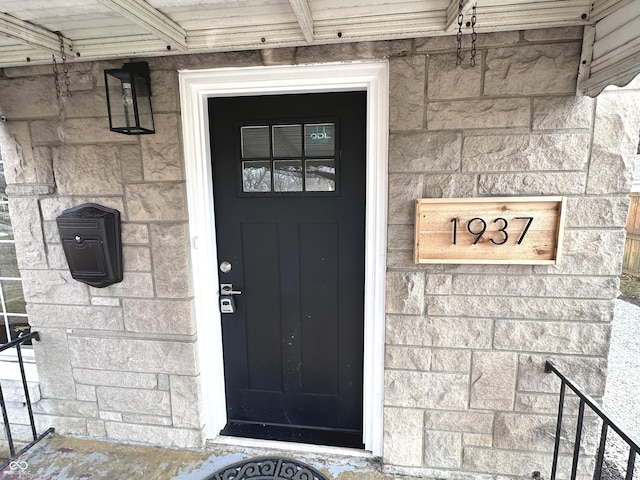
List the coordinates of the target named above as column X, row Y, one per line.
column 288, row 158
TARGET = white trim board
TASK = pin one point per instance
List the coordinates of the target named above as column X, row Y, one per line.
column 196, row 86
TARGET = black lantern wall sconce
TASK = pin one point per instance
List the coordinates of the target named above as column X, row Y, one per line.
column 129, row 99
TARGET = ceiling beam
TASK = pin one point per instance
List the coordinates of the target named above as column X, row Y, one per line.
column 143, row 14
column 305, row 18
column 453, row 10
column 30, row 34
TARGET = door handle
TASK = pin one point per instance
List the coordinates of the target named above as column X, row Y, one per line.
column 227, row 289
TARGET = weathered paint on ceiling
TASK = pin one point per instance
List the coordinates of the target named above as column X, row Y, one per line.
column 31, row 30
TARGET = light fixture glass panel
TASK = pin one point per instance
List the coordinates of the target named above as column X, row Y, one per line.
column 287, row 141
column 319, row 139
column 8, row 261
column 287, row 175
column 320, row 175
column 256, row 176
column 143, row 98
column 255, row 142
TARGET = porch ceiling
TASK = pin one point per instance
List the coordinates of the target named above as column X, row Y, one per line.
column 30, row 30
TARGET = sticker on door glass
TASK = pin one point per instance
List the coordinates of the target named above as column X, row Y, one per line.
column 319, row 139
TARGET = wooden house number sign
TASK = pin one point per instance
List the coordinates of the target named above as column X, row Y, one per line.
column 521, row 230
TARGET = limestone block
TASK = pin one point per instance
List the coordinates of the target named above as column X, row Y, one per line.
column 439, row 332
column 556, row 113
column 163, row 382
column 105, row 302
column 403, row 192
column 571, row 309
column 450, row 186
column 442, row 449
column 45, row 132
column 156, row 202
column 406, row 93
column 488, row 269
column 493, row 380
column 135, row 233
column 184, row 401
column 75, row 316
column 134, row 400
column 111, row 416
column 550, row 183
column 477, row 440
column 536, row 286
column 504, row 153
column 165, row 82
column 54, row 287
column 278, row 56
column 134, row 284
column 407, row 358
column 400, row 237
column 27, row 232
column 146, row 419
column 131, row 161
column 86, row 393
column 64, row 425
column 13, row 390
column 446, row 81
column 161, row 156
column 534, row 69
column 615, row 143
column 424, row 151
column 154, row 434
column 54, row 368
column 82, row 80
column 448, row 391
column 52, row 206
column 546, row 34
column 66, row 408
column 172, row 317
column 498, row 39
column 95, row 428
column 451, row 360
column 486, row 113
column 352, row 51
column 171, row 260
column 91, row 131
column 245, row 58
column 588, row 372
column 506, row 462
column 598, row 212
column 136, row 259
column 83, row 104
column 589, row 252
column 32, row 97
column 438, row 284
column 56, row 258
column 464, row 421
column 23, row 163
column 88, row 170
column 551, row 337
column 403, row 431
column 115, row 378
column 405, row 292
column 132, row 355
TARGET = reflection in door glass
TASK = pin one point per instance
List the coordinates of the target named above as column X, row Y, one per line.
column 319, row 139
column 256, row 176
column 287, row 141
column 255, row 142
column 320, row 176
column 287, row 175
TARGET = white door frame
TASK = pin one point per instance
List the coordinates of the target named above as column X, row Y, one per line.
column 196, row 87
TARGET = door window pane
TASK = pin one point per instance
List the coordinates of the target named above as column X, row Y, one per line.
column 256, row 176
column 287, row 176
column 8, row 261
column 255, row 142
column 319, row 139
column 287, row 141
column 320, row 176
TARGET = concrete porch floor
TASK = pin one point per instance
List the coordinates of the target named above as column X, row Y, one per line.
column 64, row 458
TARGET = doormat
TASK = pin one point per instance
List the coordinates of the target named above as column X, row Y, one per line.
column 268, row 468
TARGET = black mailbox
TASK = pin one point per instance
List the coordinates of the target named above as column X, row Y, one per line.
column 90, row 235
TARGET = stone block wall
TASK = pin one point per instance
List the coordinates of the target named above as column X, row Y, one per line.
column 466, row 344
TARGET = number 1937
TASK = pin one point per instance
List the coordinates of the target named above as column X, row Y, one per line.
column 478, row 226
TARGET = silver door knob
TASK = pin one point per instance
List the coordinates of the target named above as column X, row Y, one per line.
column 225, row 267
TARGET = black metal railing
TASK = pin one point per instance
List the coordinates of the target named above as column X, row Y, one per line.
column 607, row 423
column 27, row 400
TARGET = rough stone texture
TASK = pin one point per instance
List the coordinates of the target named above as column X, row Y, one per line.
column 406, row 90
column 154, row 435
column 430, row 44
column 531, row 70
column 524, row 184
column 161, row 152
column 504, row 153
column 447, row 391
column 73, row 316
column 115, row 378
column 159, row 316
column 184, row 395
column 22, row 162
column 446, row 81
column 450, row 360
column 134, row 400
column 598, row 212
column 28, row 234
column 439, row 332
column 443, row 449
column 551, row 113
column 424, row 152
column 136, row 259
column 450, row 186
column 469, row 114
column 156, row 202
column 493, row 380
column 133, row 233
column 54, row 287
column 407, row 358
column 37, row 98
column 403, row 436
column 134, row 284
column 171, row 261
column 403, row 192
column 462, row 421
column 405, row 292
column 54, row 366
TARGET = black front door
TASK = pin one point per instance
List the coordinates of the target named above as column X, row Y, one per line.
column 289, row 178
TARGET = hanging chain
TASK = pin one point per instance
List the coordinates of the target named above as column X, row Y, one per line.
column 459, row 35
column 65, row 70
column 474, row 36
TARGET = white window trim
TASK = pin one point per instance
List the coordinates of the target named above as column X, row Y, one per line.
column 196, row 87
